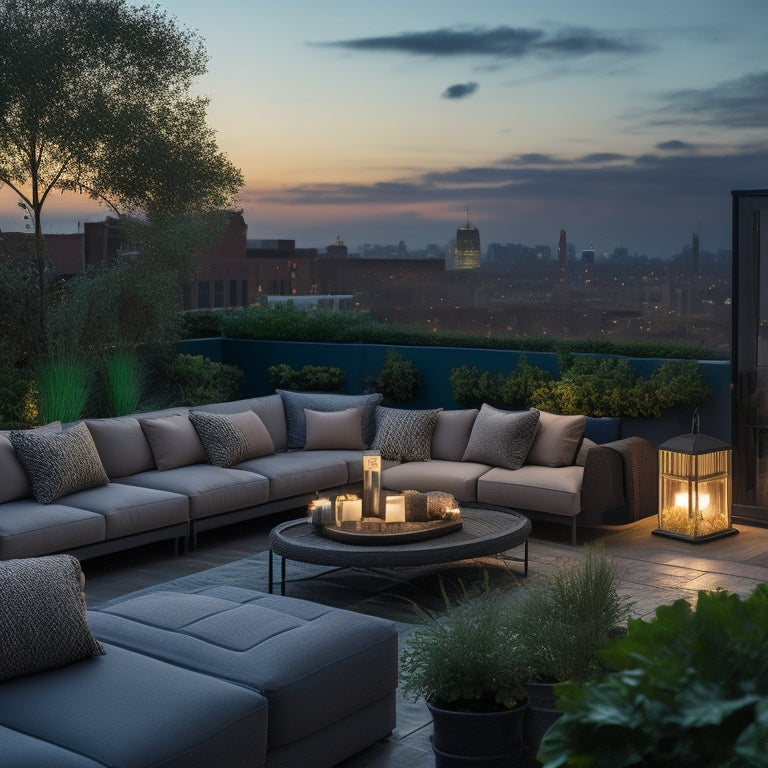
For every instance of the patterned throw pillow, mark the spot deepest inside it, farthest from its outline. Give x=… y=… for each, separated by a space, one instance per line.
x=59 y=463
x=43 y=623
x=403 y=435
x=231 y=438
x=501 y=438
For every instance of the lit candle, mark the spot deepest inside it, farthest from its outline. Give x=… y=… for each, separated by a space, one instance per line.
x=395 y=509
x=351 y=510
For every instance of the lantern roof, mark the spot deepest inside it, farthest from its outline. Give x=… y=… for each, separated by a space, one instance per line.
x=694 y=444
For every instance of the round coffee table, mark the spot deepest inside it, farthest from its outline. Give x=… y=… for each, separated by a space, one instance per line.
x=483 y=532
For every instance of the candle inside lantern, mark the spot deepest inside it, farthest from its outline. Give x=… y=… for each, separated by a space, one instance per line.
x=681 y=500
x=395 y=510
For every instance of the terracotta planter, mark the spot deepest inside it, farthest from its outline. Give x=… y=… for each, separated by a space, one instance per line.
x=481 y=739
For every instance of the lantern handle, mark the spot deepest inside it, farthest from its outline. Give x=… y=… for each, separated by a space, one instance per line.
x=695 y=422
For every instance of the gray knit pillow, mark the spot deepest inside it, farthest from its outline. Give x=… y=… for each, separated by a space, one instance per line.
x=231 y=438
x=404 y=435
x=43 y=623
x=501 y=438
x=59 y=463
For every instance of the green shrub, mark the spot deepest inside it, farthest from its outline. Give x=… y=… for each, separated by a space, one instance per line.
x=63 y=389
x=399 y=379
x=689 y=688
x=198 y=380
x=472 y=387
x=17 y=407
x=122 y=379
x=308 y=378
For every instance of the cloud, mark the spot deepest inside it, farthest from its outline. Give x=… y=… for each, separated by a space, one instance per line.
x=459 y=90
x=739 y=103
x=675 y=146
x=502 y=42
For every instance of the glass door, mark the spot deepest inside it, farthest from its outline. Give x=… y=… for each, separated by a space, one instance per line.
x=750 y=355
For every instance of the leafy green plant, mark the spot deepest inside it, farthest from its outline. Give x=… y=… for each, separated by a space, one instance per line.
x=198 y=380
x=399 y=379
x=689 y=688
x=465 y=660
x=63 y=389
x=308 y=378
x=566 y=620
x=122 y=380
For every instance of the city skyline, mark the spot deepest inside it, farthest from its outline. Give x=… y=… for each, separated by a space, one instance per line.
x=624 y=125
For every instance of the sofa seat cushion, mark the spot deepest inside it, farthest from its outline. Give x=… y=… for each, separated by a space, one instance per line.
x=128 y=509
x=127 y=710
x=456 y=477
x=556 y=491
x=314 y=664
x=298 y=472
x=210 y=490
x=29 y=529
x=19 y=749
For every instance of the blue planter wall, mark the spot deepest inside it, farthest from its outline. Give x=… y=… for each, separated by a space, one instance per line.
x=362 y=363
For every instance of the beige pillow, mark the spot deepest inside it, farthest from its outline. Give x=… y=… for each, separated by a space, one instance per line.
x=557 y=440
x=174 y=441
x=334 y=430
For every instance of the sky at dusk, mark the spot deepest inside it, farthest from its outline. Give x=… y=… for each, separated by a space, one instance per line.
x=626 y=124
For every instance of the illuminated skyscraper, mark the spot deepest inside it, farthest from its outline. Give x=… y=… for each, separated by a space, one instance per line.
x=466 y=254
x=562 y=253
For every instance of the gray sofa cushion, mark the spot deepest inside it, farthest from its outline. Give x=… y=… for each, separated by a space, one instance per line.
x=296 y=402
x=501 y=438
x=451 y=434
x=15 y=483
x=314 y=664
x=128 y=710
x=121 y=444
x=210 y=490
x=334 y=430
x=456 y=477
x=557 y=440
x=29 y=529
x=173 y=440
x=22 y=750
x=127 y=510
x=43 y=624
x=554 y=490
x=231 y=438
x=59 y=463
x=404 y=435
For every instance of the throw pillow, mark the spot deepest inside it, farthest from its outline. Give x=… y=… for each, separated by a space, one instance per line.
x=501 y=438
x=15 y=484
x=59 y=463
x=334 y=430
x=231 y=438
x=296 y=402
x=173 y=440
x=404 y=435
x=43 y=623
x=557 y=440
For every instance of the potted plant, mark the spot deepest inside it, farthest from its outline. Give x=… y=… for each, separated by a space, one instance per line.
x=688 y=688
x=464 y=664
x=564 y=622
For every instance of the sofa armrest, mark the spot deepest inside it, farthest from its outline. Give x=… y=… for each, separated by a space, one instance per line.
x=641 y=475
x=602 y=487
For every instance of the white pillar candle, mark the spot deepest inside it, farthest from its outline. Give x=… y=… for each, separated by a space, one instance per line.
x=351 y=510
x=395 y=509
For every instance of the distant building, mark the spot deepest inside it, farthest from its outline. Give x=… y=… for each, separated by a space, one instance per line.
x=466 y=254
x=562 y=252
x=588 y=256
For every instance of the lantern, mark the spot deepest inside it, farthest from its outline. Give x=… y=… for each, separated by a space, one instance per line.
x=695 y=487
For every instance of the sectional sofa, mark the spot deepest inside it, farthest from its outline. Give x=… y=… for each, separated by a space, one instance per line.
x=102 y=485
x=220 y=677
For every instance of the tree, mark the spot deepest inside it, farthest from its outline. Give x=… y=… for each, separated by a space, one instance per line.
x=95 y=98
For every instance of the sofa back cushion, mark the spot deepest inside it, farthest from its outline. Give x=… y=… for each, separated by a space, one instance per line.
x=122 y=446
x=230 y=438
x=43 y=622
x=59 y=463
x=501 y=438
x=15 y=481
x=451 y=435
x=296 y=402
x=174 y=441
x=557 y=440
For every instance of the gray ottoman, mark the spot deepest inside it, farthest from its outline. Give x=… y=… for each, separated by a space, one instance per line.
x=329 y=676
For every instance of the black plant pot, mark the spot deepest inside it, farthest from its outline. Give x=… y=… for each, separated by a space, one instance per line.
x=540 y=715
x=481 y=739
